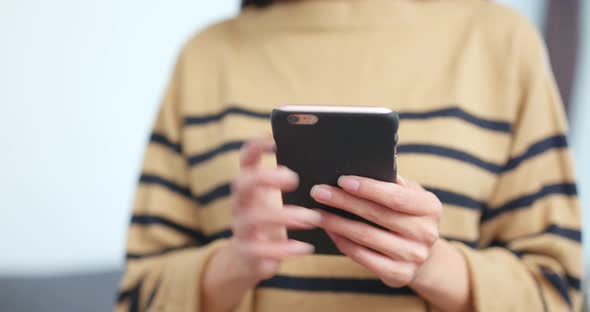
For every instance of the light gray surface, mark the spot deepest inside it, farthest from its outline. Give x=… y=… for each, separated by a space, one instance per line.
x=91 y=292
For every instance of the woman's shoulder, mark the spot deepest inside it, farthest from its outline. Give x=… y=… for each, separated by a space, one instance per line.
x=505 y=24
x=210 y=40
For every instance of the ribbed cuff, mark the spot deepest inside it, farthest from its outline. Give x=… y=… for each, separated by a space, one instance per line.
x=500 y=281
x=183 y=277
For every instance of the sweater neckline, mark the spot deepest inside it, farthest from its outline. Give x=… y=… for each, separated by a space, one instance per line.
x=342 y=13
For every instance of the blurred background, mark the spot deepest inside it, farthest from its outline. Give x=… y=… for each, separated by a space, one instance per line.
x=80 y=82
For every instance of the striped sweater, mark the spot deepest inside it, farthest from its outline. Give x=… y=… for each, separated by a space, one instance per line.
x=482 y=127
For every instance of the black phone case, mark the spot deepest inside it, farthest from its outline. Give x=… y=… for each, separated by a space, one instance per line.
x=338 y=144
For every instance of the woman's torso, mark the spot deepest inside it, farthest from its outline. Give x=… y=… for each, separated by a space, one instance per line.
x=444 y=66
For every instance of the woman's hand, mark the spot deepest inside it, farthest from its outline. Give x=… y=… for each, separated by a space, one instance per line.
x=407 y=251
x=260 y=222
x=409 y=214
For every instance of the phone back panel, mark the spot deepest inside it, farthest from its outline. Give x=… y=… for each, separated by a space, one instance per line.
x=361 y=144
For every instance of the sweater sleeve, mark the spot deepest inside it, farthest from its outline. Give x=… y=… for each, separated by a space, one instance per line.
x=530 y=230
x=166 y=249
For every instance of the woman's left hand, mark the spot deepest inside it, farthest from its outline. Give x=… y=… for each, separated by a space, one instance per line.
x=408 y=213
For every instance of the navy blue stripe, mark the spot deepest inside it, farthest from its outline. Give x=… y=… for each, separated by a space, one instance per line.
x=161 y=139
x=207 y=239
x=133 y=294
x=341 y=285
x=226 y=147
x=456 y=199
x=559 y=283
x=199 y=120
x=152 y=296
x=203 y=199
x=473 y=244
x=573 y=282
x=444 y=196
x=402 y=149
x=554 y=142
x=449 y=153
x=557 y=141
x=450 y=112
x=219 y=192
x=568 y=189
x=196 y=235
x=541 y=295
x=202 y=238
x=154 y=179
x=161 y=252
x=134 y=299
x=456 y=112
x=427 y=149
x=126 y=294
x=571 y=234
x=219 y=235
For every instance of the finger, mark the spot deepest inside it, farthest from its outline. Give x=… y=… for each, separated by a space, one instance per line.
x=393 y=273
x=274 y=250
x=408 y=183
x=371 y=237
x=410 y=226
x=252 y=151
x=397 y=197
x=292 y=217
x=281 y=178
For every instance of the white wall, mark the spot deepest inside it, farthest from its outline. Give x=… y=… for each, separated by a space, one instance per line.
x=79 y=84
x=534 y=10
x=580 y=127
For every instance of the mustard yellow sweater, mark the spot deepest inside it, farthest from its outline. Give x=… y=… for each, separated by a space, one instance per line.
x=482 y=127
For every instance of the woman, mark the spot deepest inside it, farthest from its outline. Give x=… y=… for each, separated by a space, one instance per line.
x=491 y=223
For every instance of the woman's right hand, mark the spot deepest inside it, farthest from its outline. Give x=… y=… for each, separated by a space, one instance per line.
x=260 y=221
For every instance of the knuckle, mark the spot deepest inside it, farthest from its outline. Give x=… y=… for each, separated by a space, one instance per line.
x=353 y=253
x=375 y=214
x=407 y=275
x=397 y=199
x=437 y=207
x=419 y=254
x=363 y=234
x=430 y=236
x=260 y=177
x=265 y=269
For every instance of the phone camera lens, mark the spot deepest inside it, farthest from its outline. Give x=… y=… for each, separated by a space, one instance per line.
x=293 y=119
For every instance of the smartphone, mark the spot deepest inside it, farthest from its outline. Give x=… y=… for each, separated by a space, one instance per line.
x=322 y=143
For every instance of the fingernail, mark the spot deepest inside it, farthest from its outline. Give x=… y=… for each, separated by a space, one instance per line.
x=290 y=174
x=401 y=180
x=321 y=193
x=349 y=183
x=320 y=211
x=315 y=218
x=301 y=247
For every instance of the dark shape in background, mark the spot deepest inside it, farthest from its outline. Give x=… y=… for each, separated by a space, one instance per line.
x=90 y=292
x=562 y=33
